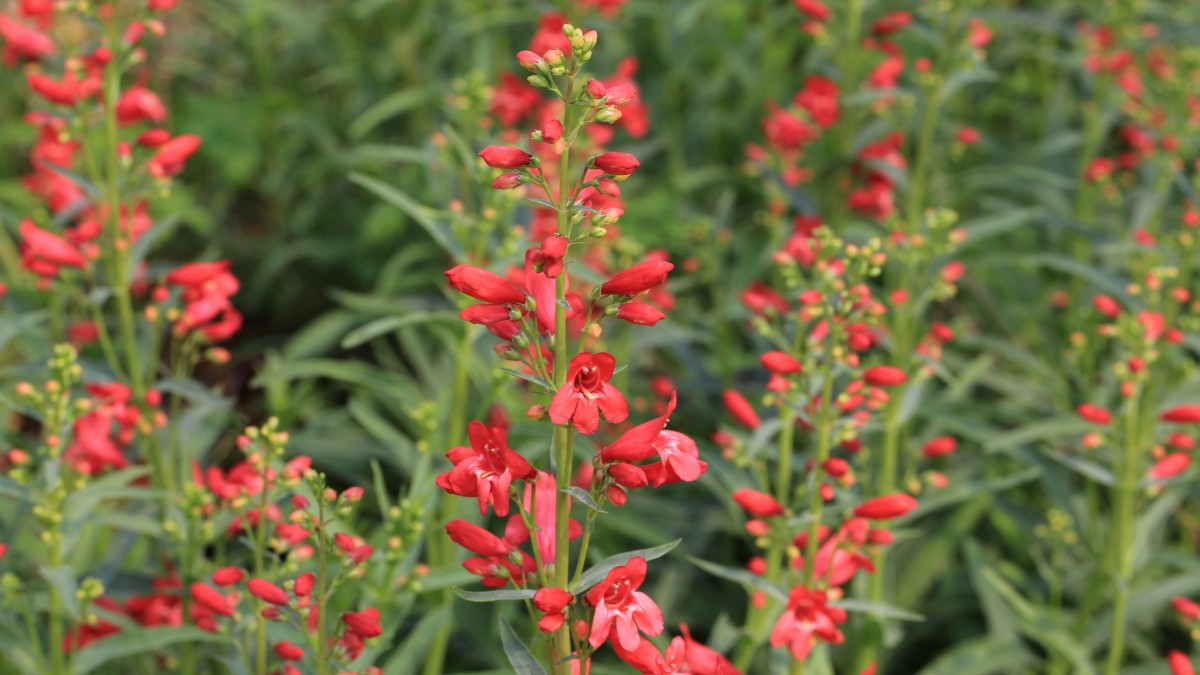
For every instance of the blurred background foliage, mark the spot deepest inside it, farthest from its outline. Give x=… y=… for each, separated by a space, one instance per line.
x=350 y=337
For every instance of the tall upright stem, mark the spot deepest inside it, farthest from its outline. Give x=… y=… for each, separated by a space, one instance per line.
x=564 y=436
x=1119 y=554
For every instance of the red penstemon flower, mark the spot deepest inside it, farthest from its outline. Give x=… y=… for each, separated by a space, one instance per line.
x=587 y=394
x=621 y=611
x=808 y=618
x=485 y=470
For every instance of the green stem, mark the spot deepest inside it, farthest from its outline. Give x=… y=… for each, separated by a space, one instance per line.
x=1120 y=543
x=322 y=590
x=260 y=539
x=816 y=503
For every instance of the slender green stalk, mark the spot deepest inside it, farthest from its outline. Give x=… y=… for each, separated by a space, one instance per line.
x=1120 y=542
x=260 y=543
x=322 y=591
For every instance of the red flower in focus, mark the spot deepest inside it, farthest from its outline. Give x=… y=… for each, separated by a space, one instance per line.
x=639 y=313
x=808 y=618
x=485 y=470
x=587 y=394
x=484 y=286
x=641 y=277
x=620 y=606
x=551 y=602
x=505 y=157
x=617 y=163
x=549 y=256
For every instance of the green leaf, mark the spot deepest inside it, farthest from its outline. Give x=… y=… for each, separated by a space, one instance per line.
x=982 y=656
x=63 y=583
x=519 y=656
x=597 y=572
x=382 y=111
x=16 y=650
x=584 y=498
x=136 y=642
x=527 y=377
x=425 y=216
x=495 y=596
x=741 y=576
x=879 y=609
x=371 y=330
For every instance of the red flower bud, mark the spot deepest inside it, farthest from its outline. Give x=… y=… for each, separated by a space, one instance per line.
x=884 y=376
x=1170 y=466
x=1180 y=664
x=228 y=576
x=507 y=181
x=288 y=651
x=1106 y=306
x=758 y=504
x=552 y=600
x=640 y=277
x=211 y=599
x=267 y=592
x=780 y=363
x=1183 y=414
x=617 y=163
x=639 y=313
x=529 y=60
x=741 y=410
x=505 y=157
x=304 y=584
x=1093 y=413
x=886 y=507
x=940 y=446
x=627 y=475
x=484 y=286
x=364 y=624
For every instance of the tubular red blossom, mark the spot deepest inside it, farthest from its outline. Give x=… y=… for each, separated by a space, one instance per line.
x=484 y=286
x=1180 y=664
x=820 y=98
x=507 y=181
x=758 y=504
x=704 y=660
x=505 y=157
x=267 y=592
x=549 y=256
x=638 y=443
x=639 y=278
x=1106 y=306
x=808 y=618
x=679 y=460
x=886 y=507
x=627 y=475
x=1093 y=413
x=639 y=313
x=364 y=624
x=617 y=163
x=815 y=9
x=23 y=42
x=1188 y=413
x=45 y=251
x=1187 y=608
x=780 y=363
x=211 y=599
x=741 y=410
x=139 y=104
x=1170 y=466
x=485 y=315
x=228 y=576
x=588 y=394
x=304 y=584
x=478 y=540
x=172 y=156
x=940 y=446
x=884 y=376
x=621 y=609
x=485 y=470
x=288 y=651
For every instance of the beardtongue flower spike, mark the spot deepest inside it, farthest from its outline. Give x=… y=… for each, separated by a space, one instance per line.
x=637 y=279
x=505 y=157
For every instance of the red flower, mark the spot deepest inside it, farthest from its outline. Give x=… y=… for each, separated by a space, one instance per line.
x=617 y=163
x=639 y=313
x=505 y=157
x=138 y=104
x=1170 y=466
x=620 y=606
x=820 y=98
x=484 y=286
x=552 y=601
x=884 y=376
x=640 y=277
x=813 y=8
x=808 y=618
x=1180 y=664
x=679 y=460
x=886 y=507
x=549 y=256
x=364 y=624
x=638 y=443
x=741 y=410
x=485 y=470
x=758 y=504
x=228 y=576
x=288 y=651
x=173 y=155
x=44 y=252
x=1093 y=413
x=702 y=659
x=1187 y=608
x=587 y=394
x=23 y=42
x=891 y=23
x=1188 y=413
x=267 y=592
x=478 y=540
x=211 y=599
x=940 y=446
x=304 y=584
x=780 y=363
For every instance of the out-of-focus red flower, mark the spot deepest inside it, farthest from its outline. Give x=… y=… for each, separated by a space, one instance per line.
x=172 y=156
x=138 y=104
x=1188 y=413
x=808 y=618
x=365 y=624
x=758 y=504
x=886 y=507
x=267 y=592
x=741 y=410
